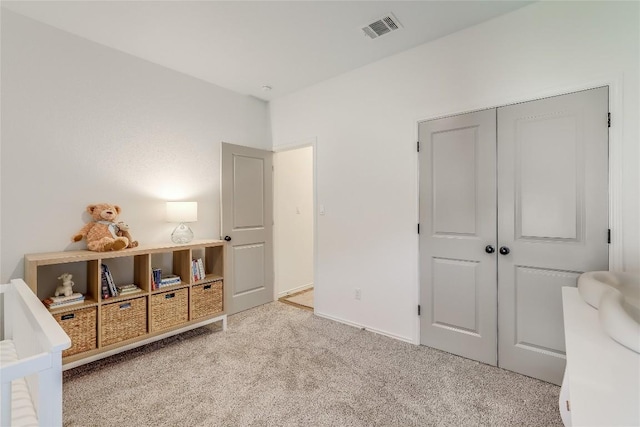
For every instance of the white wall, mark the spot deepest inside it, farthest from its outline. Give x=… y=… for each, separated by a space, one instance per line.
x=365 y=124
x=293 y=215
x=82 y=123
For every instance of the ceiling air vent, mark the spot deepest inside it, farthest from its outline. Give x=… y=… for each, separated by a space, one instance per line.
x=382 y=26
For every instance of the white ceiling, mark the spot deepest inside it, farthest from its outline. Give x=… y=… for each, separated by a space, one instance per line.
x=244 y=45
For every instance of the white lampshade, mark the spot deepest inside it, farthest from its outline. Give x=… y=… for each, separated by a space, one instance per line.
x=182 y=211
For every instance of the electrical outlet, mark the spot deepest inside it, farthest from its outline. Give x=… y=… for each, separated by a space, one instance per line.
x=358 y=293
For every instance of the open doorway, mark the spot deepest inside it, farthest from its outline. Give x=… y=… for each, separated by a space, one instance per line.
x=294 y=225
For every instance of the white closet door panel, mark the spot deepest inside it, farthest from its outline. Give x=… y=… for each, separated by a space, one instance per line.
x=553 y=217
x=457 y=221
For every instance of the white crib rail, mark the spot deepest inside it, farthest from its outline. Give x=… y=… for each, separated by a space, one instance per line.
x=39 y=341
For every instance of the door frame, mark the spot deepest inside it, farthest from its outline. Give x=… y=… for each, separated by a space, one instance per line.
x=616 y=89
x=303 y=143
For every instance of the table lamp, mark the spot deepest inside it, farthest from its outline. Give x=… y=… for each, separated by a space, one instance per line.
x=182 y=212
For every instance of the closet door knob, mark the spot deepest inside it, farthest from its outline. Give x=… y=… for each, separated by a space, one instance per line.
x=227 y=238
x=489 y=249
x=504 y=250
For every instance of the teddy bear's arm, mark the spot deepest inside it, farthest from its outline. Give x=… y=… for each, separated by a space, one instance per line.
x=82 y=233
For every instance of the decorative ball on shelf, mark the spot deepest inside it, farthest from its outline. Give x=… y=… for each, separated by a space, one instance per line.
x=66 y=287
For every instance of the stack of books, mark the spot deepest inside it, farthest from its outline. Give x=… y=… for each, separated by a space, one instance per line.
x=156 y=276
x=169 y=280
x=197 y=269
x=159 y=281
x=108 y=286
x=128 y=289
x=58 y=302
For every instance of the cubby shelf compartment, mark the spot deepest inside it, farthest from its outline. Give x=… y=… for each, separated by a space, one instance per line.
x=131 y=266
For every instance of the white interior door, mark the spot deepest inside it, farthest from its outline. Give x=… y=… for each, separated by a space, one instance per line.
x=457 y=224
x=247 y=225
x=553 y=221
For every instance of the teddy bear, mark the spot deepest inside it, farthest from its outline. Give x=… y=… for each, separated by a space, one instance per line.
x=102 y=232
x=66 y=287
x=123 y=231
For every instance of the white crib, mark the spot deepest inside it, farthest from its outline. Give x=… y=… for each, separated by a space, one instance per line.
x=31 y=360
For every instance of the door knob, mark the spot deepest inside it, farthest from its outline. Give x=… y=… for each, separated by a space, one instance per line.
x=504 y=250
x=489 y=249
x=227 y=238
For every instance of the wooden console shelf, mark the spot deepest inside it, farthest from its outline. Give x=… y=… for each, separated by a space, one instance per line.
x=100 y=327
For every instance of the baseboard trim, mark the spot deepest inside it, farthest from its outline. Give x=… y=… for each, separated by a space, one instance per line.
x=294 y=290
x=366 y=328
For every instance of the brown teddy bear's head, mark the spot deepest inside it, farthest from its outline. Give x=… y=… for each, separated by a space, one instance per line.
x=104 y=212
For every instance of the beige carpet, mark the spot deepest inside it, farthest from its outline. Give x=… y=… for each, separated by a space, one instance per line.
x=302 y=299
x=277 y=365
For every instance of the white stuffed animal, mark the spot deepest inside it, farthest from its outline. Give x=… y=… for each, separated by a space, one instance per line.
x=67 y=284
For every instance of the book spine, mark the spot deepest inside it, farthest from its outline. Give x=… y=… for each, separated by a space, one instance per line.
x=73 y=296
x=134 y=291
x=201 y=269
x=62 y=304
x=169 y=283
x=155 y=278
x=112 y=286
x=104 y=283
x=194 y=271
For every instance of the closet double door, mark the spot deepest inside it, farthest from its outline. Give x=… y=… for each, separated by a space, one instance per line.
x=513 y=206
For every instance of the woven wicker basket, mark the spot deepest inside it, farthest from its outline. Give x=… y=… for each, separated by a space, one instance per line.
x=206 y=299
x=169 y=309
x=123 y=320
x=80 y=325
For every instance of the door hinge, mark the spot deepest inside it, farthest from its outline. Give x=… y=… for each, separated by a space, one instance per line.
x=609 y=120
x=609 y=236
x=418 y=228
x=418 y=144
x=418 y=309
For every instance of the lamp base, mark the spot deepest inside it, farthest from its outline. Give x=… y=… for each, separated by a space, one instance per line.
x=182 y=234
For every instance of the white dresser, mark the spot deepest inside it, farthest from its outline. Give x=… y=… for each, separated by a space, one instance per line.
x=602 y=380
